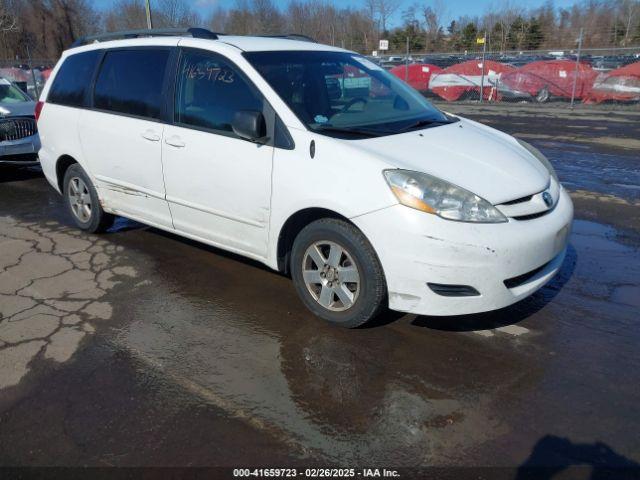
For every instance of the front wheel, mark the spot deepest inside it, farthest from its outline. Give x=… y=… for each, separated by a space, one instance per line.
x=337 y=273
x=83 y=203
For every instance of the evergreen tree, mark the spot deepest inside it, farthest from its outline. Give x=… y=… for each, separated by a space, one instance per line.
x=469 y=36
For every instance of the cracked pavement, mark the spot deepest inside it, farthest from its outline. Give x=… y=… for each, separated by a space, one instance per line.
x=52 y=280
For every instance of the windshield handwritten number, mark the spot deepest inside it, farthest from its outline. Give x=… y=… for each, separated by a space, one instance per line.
x=227 y=76
x=209 y=73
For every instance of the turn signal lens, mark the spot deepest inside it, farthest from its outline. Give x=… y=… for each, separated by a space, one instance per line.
x=411 y=201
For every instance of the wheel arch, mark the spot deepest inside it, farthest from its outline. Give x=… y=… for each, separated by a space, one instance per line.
x=293 y=225
x=62 y=165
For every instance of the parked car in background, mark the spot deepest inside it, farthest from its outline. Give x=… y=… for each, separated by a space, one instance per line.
x=361 y=190
x=621 y=85
x=541 y=81
x=417 y=74
x=19 y=140
x=462 y=81
x=17 y=76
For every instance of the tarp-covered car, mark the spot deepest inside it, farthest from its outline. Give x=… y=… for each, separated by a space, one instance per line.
x=542 y=80
x=621 y=84
x=463 y=80
x=417 y=74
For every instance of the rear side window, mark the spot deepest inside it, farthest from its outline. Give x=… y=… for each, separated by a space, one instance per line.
x=210 y=91
x=131 y=81
x=74 y=79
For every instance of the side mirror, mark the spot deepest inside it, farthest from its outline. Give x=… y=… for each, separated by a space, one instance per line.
x=249 y=124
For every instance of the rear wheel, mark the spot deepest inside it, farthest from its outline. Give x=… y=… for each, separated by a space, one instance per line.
x=337 y=273
x=543 y=95
x=83 y=203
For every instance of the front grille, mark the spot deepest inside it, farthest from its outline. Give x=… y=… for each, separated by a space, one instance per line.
x=17 y=128
x=532 y=215
x=518 y=200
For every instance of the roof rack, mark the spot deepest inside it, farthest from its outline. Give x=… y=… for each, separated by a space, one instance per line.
x=291 y=36
x=155 y=32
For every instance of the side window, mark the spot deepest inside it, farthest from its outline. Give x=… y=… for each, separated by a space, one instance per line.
x=73 y=79
x=209 y=92
x=130 y=82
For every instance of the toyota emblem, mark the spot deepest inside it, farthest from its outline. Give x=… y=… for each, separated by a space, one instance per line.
x=548 y=199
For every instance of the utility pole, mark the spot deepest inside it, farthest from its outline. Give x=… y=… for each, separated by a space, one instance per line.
x=484 y=54
x=33 y=74
x=148 y=9
x=406 y=63
x=575 y=73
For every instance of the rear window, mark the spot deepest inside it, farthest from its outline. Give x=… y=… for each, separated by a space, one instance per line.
x=74 y=79
x=130 y=82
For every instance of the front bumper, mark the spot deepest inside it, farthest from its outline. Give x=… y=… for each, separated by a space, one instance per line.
x=417 y=248
x=20 y=152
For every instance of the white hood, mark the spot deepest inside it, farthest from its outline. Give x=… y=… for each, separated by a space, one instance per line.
x=480 y=159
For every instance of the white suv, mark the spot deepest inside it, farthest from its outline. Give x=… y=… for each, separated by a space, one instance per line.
x=308 y=158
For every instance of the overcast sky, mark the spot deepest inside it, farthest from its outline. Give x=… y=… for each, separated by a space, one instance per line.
x=454 y=8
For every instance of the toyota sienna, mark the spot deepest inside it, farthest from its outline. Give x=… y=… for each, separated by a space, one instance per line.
x=306 y=157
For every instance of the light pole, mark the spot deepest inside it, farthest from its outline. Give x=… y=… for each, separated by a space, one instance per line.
x=484 y=55
x=575 y=73
x=148 y=9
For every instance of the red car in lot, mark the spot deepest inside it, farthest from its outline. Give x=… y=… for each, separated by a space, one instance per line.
x=463 y=80
x=417 y=74
x=542 y=80
x=621 y=84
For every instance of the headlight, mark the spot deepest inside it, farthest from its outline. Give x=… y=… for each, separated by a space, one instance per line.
x=540 y=156
x=429 y=194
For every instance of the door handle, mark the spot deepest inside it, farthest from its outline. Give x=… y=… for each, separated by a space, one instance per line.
x=174 y=141
x=151 y=136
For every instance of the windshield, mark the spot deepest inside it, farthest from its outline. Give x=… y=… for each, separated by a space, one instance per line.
x=10 y=93
x=344 y=94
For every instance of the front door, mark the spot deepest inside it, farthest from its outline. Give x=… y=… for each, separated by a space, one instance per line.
x=218 y=185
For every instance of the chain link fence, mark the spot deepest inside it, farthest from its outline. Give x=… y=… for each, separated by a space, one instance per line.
x=564 y=78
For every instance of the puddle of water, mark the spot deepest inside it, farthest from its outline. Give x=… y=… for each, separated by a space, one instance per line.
x=585 y=169
x=349 y=395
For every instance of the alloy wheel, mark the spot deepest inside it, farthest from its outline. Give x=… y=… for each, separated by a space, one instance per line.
x=79 y=199
x=331 y=275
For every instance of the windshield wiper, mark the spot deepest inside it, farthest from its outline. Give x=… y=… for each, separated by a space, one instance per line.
x=354 y=131
x=428 y=123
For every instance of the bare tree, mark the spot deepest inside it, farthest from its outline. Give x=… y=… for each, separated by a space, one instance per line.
x=629 y=11
x=432 y=16
x=126 y=15
x=8 y=16
x=175 y=13
x=218 y=20
x=386 y=9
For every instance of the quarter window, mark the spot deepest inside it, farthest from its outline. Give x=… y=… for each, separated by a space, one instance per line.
x=131 y=82
x=74 y=79
x=210 y=91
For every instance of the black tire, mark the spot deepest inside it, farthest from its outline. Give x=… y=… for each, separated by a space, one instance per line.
x=99 y=220
x=543 y=95
x=372 y=291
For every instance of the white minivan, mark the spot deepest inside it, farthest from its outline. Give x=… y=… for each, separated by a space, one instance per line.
x=308 y=158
